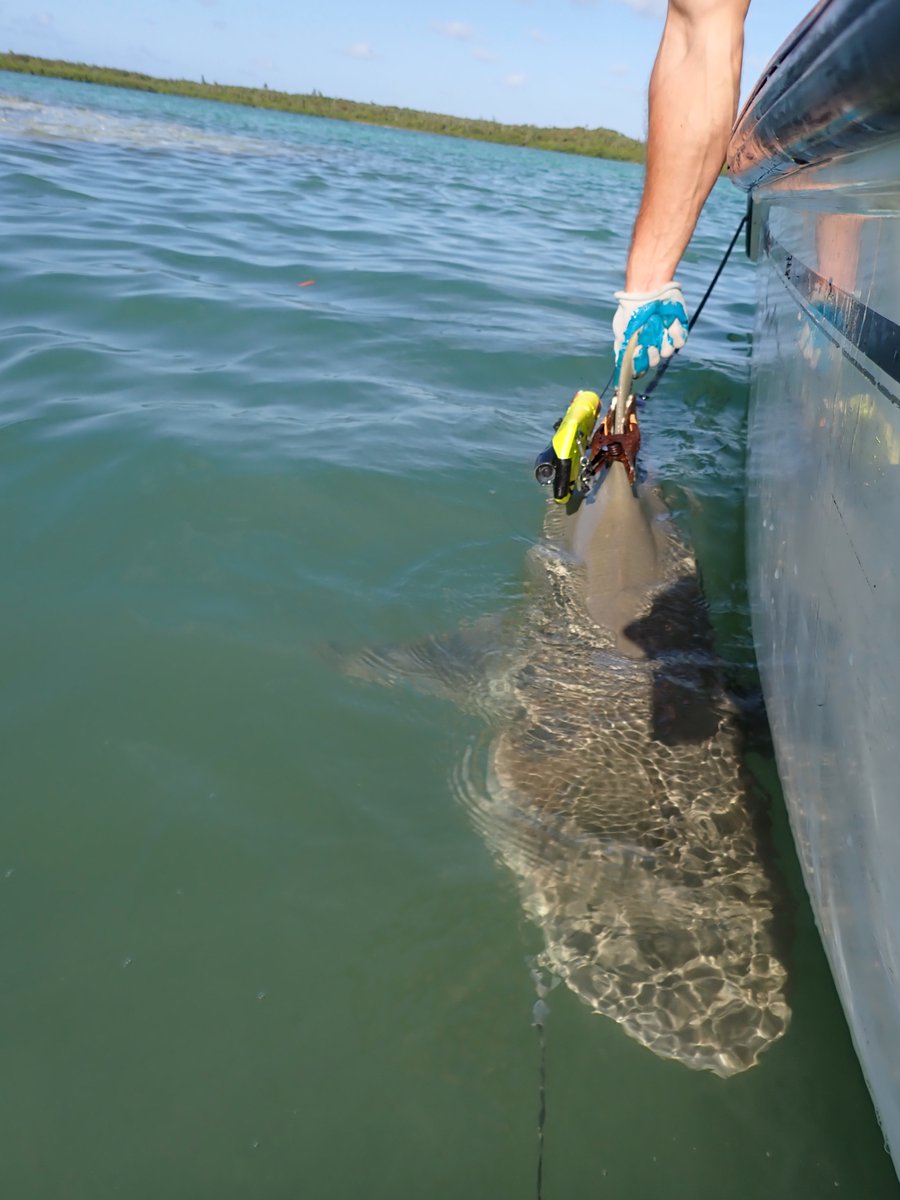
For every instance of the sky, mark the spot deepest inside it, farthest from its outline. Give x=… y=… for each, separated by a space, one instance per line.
x=540 y=62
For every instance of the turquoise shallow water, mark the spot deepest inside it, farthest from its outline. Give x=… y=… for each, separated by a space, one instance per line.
x=253 y=945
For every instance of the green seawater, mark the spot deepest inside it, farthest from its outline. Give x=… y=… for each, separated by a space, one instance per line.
x=252 y=944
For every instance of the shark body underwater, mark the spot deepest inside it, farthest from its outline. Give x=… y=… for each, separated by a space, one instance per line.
x=613 y=786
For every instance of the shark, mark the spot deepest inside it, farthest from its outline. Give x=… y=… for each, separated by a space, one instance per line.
x=613 y=786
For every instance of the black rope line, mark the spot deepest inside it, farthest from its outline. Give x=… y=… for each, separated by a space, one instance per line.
x=540 y=1012
x=663 y=366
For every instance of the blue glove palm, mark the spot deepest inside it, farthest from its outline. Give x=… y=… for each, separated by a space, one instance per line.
x=658 y=318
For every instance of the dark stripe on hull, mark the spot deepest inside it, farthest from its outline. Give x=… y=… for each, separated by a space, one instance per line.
x=846 y=321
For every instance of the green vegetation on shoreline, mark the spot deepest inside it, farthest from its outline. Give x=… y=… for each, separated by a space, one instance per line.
x=596 y=143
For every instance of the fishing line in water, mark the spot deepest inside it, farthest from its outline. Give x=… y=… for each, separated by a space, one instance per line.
x=545 y=981
x=539 y=1013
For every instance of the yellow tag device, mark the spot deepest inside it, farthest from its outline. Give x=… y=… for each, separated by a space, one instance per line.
x=560 y=462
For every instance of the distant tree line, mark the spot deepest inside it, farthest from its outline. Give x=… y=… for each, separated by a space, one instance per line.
x=597 y=143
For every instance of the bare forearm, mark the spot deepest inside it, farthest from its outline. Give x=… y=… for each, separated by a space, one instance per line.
x=693 y=101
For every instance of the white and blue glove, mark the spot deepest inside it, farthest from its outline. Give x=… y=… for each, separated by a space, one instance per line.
x=660 y=320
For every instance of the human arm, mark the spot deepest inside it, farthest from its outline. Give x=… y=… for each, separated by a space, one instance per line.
x=693 y=99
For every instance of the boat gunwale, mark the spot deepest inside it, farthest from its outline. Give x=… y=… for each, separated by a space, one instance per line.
x=832 y=88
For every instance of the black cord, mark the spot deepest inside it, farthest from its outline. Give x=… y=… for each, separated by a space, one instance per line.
x=651 y=387
x=541 y=1010
x=539 y=1015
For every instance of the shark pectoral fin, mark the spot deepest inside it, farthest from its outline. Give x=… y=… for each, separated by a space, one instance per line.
x=454 y=665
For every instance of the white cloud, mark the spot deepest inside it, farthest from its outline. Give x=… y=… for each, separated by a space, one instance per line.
x=453 y=29
x=484 y=55
x=618 y=68
x=44 y=19
x=538 y=35
x=516 y=80
x=361 y=50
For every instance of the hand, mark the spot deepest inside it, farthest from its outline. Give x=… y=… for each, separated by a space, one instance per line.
x=660 y=320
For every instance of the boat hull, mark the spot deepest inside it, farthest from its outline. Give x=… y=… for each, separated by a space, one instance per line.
x=818 y=149
x=823 y=536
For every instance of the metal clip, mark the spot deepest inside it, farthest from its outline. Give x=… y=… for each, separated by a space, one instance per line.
x=607 y=447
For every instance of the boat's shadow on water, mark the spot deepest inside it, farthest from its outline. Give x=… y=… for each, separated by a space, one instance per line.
x=612 y=782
